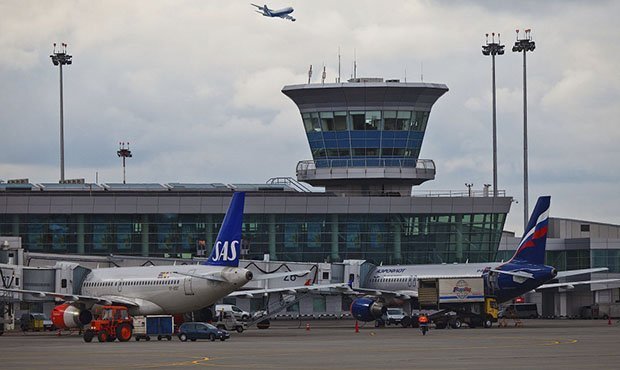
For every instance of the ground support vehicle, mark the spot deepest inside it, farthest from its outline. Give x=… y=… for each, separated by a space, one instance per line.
x=113 y=323
x=227 y=321
x=161 y=326
x=601 y=311
x=394 y=316
x=457 y=301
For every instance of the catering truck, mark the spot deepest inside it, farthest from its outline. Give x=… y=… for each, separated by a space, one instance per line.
x=457 y=301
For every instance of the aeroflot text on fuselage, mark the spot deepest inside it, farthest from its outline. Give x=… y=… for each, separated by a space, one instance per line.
x=225 y=252
x=397 y=271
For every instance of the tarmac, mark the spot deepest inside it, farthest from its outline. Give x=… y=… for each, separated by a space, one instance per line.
x=334 y=344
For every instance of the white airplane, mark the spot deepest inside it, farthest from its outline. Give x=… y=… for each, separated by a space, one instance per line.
x=171 y=289
x=392 y=285
x=283 y=13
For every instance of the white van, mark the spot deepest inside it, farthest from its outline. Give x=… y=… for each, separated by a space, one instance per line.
x=236 y=311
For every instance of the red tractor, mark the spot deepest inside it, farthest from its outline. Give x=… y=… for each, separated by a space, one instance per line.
x=113 y=323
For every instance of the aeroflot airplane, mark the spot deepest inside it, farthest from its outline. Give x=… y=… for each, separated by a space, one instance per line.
x=283 y=13
x=525 y=271
x=163 y=289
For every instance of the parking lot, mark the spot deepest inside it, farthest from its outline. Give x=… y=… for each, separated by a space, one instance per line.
x=549 y=344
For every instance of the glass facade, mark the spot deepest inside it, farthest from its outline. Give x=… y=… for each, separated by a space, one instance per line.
x=609 y=258
x=379 y=238
x=365 y=138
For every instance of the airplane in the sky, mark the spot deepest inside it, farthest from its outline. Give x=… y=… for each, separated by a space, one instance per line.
x=283 y=13
x=393 y=285
x=170 y=289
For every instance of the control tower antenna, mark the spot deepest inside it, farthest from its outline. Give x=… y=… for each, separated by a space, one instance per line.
x=309 y=74
x=338 y=64
x=421 y=71
x=354 y=63
x=123 y=153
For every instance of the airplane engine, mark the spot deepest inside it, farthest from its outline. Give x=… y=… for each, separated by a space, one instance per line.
x=366 y=309
x=67 y=316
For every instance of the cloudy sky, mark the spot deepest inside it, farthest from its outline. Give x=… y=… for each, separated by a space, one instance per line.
x=194 y=86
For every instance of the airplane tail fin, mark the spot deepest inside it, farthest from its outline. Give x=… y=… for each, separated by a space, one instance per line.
x=227 y=247
x=534 y=241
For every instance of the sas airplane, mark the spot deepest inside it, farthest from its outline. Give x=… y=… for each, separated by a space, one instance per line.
x=525 y=271
x=282 y=13
x=151 y=290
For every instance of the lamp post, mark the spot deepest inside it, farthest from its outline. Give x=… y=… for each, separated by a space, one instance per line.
x=524 y=45
x=123 y=153
x=493 y=48
x=60 y=58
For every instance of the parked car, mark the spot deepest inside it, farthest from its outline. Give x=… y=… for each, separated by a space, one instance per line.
x=236 y=311
x=201 y=330
x=519 y=310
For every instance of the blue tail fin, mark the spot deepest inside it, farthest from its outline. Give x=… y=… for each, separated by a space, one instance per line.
x=228 y=244
x=532 y=246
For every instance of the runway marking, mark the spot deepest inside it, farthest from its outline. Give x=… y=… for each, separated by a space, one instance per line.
x=556 y=342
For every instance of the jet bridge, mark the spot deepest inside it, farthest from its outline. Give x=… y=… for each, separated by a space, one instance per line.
x=63 y=277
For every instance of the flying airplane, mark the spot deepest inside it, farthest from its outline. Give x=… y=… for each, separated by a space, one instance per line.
x=525 y=271
x=283 y=13
x=171 y=289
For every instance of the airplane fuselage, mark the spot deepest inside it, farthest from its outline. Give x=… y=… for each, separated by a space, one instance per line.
x=164 y=289
x=404 y=278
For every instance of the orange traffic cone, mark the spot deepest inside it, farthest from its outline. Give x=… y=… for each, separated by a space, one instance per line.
x=307 y=326
x=357 y=327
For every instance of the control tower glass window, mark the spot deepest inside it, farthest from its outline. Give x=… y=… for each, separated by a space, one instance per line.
x=419 y=122
x=373 y=120
x=327 y=121
x=359 y=120
x=403 y=120
x=340 y=121
x=312 y=123
x=389 y=120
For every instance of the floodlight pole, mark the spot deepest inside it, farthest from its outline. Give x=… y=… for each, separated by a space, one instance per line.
x=494 y=48
x=524 y=45
x=59 y=59
x=123 y=153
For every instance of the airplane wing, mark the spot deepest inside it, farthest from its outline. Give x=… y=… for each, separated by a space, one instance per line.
x=571 y=285
x=521 y=274
x=258 y=6
x=103 y=300
x=280 y=275
x=401 y=294
x=563 y=274
x=290 y=290
x=217 y=276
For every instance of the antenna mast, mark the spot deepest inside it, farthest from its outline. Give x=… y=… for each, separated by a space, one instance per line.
x=338 y=64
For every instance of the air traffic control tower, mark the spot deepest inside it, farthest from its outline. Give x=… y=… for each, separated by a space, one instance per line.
x=365 y=135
